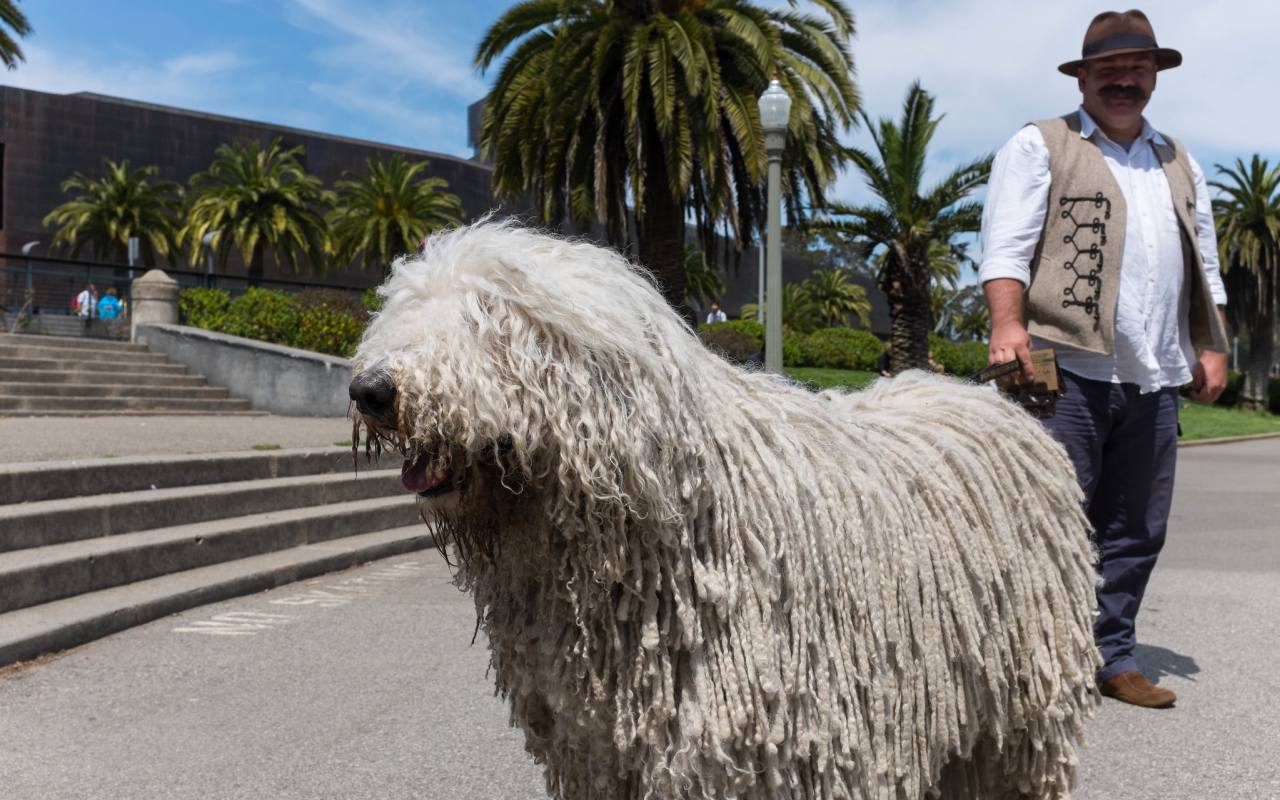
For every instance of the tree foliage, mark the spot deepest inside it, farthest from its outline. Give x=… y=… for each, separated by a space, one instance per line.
x=1247 y=214
x=910 y=221
x=13 y=23
x=257 y=200
x=387 y=211
x=836 y=298
x=105 y=213
x=604 y=104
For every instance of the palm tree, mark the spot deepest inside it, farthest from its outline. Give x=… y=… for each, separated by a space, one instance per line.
x=799 y=311
x=252 y=199
x=104 y=214
x=652 y=103
x=836 y=297
x=702 y=282
x=910 y=222
x=15 y=20
x=973 y=321
x=387 y=211
x=1248 y=221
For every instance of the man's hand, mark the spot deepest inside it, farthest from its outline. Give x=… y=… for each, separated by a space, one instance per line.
x=1009 y=338
x=1010 y=341
x=1209 y=376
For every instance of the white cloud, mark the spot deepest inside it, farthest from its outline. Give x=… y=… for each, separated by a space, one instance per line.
x=392 y=46
x=389 y=120
x=203 y=64
x=182 y=81
x=993 y=67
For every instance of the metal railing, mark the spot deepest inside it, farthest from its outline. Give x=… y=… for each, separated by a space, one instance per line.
x=53 y=283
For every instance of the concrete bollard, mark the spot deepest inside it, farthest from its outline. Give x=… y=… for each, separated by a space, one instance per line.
x=154 y=300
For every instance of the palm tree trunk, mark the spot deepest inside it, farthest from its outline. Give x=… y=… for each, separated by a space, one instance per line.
x=1257 y=377
x=911 y=320
x=661 y=236
x=256 y=265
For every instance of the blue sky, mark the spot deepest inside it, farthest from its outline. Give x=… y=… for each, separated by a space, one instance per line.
x=400 y=72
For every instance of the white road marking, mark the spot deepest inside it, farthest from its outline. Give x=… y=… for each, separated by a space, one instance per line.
x=325 y=594
x=235 y=623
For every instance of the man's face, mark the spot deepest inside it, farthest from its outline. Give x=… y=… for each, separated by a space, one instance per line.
x=714 y=308
x=1117 y=89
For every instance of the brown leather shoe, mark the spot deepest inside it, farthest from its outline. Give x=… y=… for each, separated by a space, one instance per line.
x=1134 y=688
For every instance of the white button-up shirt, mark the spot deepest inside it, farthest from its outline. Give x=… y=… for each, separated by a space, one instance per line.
x=1153 y=341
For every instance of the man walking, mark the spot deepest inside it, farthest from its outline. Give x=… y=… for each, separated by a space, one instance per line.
x=1098 y=241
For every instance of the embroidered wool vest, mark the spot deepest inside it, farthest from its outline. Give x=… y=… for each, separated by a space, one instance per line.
x=1075 y=273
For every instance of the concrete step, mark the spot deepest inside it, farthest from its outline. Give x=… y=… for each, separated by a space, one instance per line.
x=104 y=405
x=80 y=365
x=132 y=412
x=59 y=325
x=81 y=355
x=75 y=344
x=85 y=376
x=48 y=522
x=29 y=632
x=50 y=480
x=120 y=389
x=44 y=574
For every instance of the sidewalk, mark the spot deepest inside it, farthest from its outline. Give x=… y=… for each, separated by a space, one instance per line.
x=24 y=439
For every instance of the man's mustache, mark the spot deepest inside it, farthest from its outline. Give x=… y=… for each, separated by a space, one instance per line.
x=1125 y=92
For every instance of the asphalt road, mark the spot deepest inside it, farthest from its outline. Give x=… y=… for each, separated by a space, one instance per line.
x=364 y=684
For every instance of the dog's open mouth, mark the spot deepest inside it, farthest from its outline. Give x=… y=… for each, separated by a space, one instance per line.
x=426 y=476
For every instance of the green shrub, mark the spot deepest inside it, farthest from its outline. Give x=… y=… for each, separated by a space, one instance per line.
x=321 y=320
x=961 y=359
x=370 y=300
x=793 y=348
x=263 y=314
x=843 y=348
x=203 y=308
x=325 y=329
x=732 y=344
x=749 y=327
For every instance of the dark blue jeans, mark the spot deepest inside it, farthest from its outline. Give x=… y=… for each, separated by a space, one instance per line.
x=1124 y=446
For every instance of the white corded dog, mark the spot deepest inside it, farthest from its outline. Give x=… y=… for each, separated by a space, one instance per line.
x=702 y=582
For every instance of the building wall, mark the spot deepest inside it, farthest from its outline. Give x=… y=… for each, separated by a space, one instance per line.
x=47 y=137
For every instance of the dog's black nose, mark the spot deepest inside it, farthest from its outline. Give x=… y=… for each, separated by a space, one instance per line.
x=373 y=392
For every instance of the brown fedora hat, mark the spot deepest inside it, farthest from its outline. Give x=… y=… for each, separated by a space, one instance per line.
x=1113 y=33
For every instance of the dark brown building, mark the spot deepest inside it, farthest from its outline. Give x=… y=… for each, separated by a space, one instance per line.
x=44 y=138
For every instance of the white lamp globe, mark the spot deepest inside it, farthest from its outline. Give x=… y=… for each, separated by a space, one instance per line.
x=775 y=108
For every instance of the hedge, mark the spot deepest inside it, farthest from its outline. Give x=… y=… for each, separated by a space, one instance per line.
x=962 y=359
x=842 y=348
x=742 y=339
x=320 y=320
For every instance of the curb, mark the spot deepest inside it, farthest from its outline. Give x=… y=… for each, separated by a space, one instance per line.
x=1229 y=439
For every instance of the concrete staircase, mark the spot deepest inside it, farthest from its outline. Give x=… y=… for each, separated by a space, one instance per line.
x=63 y=376
x=89 y=548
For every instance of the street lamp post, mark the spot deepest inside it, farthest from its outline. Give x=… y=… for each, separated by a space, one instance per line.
x=775 y=110
x=207 y=241
x=26 y=253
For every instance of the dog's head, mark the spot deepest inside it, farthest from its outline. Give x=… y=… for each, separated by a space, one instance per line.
x=506 y=360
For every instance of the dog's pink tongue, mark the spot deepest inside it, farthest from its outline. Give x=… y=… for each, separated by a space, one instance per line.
x=415 y=477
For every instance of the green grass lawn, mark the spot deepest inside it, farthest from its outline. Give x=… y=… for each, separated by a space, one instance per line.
x=1198 y=420
x=1212 y=422
x=818 y=378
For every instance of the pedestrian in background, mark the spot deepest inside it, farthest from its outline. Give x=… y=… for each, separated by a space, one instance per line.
x=86 y=304
x=109 y=305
